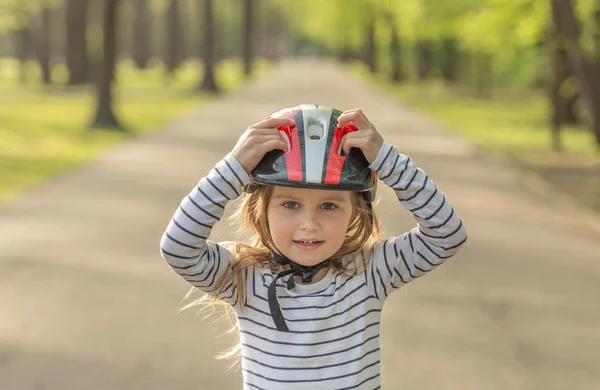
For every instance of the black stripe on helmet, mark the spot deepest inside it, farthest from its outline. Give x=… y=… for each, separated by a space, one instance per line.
x=299 y=118
x=335 y=114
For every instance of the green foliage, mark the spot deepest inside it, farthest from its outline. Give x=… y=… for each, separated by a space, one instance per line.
x=507 y=31
x=585 y=13
x=333 y=23
x=15 y=14
x=44 y=131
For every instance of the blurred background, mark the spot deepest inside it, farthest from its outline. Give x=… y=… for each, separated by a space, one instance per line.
x=519 y=79
x=526 y=73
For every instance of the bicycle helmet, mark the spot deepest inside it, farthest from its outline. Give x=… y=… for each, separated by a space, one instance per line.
x=314 y=158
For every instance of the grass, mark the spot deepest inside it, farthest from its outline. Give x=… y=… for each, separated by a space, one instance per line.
x=514 y=124
x=44 y=130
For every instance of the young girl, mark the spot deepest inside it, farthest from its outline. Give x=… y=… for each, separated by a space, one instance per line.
x=309 y=289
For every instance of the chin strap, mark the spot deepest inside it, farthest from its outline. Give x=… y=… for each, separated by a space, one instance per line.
x=306 y=273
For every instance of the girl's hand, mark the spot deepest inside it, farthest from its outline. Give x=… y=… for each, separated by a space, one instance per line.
x=259 y=139
x=366 y=138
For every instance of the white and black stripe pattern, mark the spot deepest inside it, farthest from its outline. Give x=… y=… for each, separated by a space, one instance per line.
x=437 y=237
x=333 y=342
x=185 y=246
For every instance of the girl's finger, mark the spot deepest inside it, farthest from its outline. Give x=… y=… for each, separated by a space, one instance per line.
x=355 y=116
x=354 y=140
x=274 y=122
x=264 y=131
x=352 y=143
x=257 y=140
x=355 y=134
x=272 y=145
x=262 y=135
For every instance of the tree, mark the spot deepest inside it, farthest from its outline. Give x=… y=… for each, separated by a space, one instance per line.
x=248 y=34
x=449 y=62
x=585 y=70
x=42 y=43
x=141 y=33
x=22 y=38
x=562 y=101
x=557 y=54
x=396 y=53
x=105 y=117
x=371 y=46
x=173 y=47
x=208 y=83
x=274 y=20
x=597 y=37
x=76 y=52
x=423 y=55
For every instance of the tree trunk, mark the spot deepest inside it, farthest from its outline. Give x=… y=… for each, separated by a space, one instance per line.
x=209 y=84
x=597 y=37
x=273 y=33
x=76 y=53
x=584 y=69
x=371 y=49
x=423 y=49
x=556 y=51
x=141 y=33
x=105 y=117
x=483 y=77
x=248 y=32
x=396 y=52
x=22 y=39
x=566 y=111
x=449 y=63
x=563 y=105
x=172 y=43
x=43 y=44
x=186 y=48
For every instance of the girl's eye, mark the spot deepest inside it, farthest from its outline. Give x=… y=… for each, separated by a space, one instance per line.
x=329 y=206
x=290 y=205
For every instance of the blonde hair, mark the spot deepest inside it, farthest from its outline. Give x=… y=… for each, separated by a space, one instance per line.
x=251 y=214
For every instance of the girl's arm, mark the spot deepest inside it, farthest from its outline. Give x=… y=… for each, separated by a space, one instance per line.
x=438 y=235
x=185 y=245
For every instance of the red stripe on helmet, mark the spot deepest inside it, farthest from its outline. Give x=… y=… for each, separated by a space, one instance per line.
x=293 y=158
x=335 y=162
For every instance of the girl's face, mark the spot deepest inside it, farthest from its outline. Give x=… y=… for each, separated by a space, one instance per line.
x=308 y=226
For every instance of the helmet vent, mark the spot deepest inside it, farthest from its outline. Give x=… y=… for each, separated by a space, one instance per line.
x=315 y=131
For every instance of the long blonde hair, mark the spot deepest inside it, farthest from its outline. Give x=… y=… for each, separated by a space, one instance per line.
x=251 y=214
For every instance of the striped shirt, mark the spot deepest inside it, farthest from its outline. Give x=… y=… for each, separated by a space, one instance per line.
x=334 y=323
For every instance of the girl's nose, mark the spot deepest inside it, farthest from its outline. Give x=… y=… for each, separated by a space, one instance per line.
x=309 y=222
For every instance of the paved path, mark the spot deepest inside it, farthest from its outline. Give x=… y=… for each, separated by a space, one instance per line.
x=87 y=303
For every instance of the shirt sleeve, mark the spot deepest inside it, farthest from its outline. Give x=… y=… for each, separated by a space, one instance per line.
x=185 y=246
x=438 y=235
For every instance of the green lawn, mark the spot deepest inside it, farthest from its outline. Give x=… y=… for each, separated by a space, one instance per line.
x=513 y=124
x=44 y=131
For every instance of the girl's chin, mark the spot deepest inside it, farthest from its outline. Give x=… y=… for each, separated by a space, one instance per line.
x=306 y=260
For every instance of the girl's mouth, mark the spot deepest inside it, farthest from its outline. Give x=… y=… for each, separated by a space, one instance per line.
x=308 y=245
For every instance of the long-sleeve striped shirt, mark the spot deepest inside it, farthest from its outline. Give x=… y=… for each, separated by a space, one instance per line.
x=333 y=342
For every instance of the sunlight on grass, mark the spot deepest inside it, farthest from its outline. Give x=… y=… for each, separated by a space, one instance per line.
x=44 y=130
x=513 y=123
